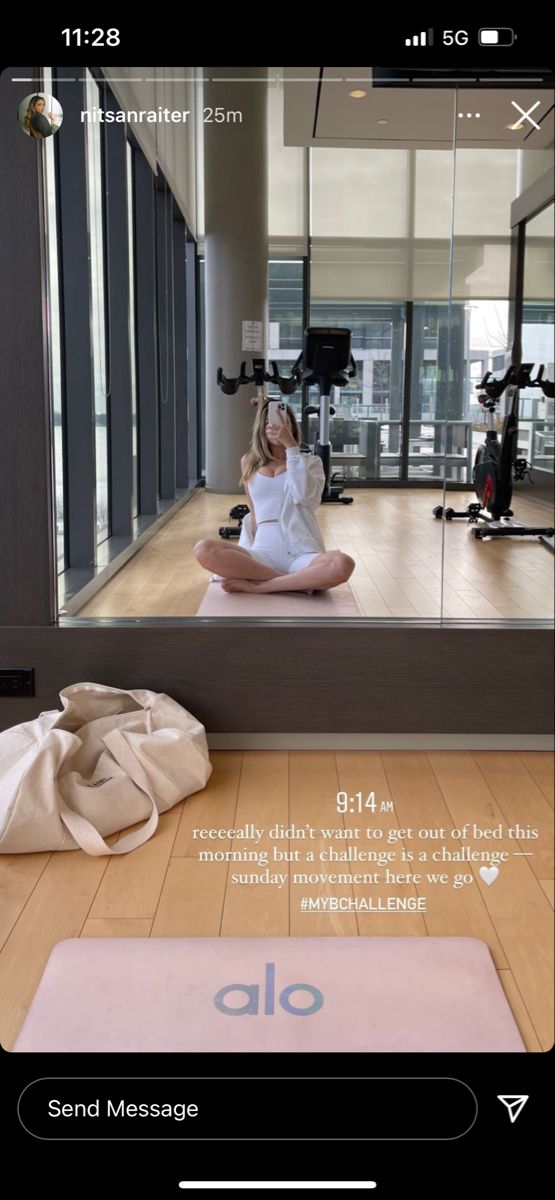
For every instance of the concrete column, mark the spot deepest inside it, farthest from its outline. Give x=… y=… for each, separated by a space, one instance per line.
x=236 y=254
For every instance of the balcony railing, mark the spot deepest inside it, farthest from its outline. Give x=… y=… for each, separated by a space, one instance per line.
x=372 y=449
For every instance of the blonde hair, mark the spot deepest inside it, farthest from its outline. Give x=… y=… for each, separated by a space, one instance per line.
x=31 y=110
x=260 y=453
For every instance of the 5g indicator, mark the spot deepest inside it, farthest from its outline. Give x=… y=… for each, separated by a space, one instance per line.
x=455 y=37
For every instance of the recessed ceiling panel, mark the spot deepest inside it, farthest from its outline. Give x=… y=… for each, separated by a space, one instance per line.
x=320 y=109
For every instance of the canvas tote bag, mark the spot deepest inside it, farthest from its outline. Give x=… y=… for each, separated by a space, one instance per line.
x=110 y=759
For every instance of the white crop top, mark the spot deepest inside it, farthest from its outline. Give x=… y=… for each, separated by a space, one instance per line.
x=267 y=494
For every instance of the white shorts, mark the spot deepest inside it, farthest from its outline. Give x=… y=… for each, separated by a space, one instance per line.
x=270 y=549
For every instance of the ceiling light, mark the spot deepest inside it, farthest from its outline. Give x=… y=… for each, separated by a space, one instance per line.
x=357 y=95
x=383 y=121
x=518 y=125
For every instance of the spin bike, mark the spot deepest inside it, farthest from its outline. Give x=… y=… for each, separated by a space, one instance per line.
x=496 y=465
x=327 y=362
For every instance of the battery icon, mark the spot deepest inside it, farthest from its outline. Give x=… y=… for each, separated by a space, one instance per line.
x=496 y=37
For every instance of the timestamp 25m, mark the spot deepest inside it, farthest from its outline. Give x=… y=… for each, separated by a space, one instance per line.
x=222 y=116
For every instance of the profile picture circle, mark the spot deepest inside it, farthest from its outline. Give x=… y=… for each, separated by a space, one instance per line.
x=40 y=115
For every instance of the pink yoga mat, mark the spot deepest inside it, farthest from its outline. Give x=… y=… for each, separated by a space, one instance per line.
x=243 y=994
x=338 y=602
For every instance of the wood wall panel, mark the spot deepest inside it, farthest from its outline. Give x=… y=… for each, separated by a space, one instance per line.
x=271 y=678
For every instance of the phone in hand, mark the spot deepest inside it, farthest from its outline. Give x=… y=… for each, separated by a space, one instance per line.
x=276 y=412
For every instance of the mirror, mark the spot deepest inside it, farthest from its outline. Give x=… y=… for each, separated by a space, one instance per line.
x=391 y=217
x=499 y=156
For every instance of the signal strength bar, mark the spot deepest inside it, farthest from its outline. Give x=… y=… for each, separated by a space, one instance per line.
x=421 y=39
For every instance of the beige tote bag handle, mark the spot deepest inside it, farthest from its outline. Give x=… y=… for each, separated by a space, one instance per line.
x=91 y=841
x=85 y=834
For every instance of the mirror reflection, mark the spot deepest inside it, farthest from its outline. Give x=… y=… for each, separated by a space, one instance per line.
x=498 y=564
x=379 y=208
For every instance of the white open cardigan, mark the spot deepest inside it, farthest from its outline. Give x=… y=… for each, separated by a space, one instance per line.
x=299 y=527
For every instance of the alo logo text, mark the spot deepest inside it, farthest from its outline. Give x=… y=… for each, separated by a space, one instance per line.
x=251 y=1007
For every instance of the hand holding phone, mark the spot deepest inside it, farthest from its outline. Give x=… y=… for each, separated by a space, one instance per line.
x=276 y=412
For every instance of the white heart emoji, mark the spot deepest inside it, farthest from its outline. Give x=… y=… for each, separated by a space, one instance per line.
x=489 y=874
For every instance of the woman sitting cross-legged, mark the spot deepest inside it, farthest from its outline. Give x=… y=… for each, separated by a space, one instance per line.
x=281 y=548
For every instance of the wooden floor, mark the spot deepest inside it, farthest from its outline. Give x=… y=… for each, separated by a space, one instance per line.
x=399 y=549
x=162 y=890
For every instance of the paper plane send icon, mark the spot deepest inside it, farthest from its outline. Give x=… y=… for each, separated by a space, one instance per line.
x=514 y=1105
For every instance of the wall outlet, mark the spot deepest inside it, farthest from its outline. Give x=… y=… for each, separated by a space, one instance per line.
x=17 y=681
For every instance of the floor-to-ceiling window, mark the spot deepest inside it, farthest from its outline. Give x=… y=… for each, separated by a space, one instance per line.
x=202 y=367
x=119 y=326
x=54 y=332
x=132 y=347
x=366 y=429
x=285 y=320
x=98 y=296
x=537 y=410
x=435 y=403
x=536 y=431
x=439 y=439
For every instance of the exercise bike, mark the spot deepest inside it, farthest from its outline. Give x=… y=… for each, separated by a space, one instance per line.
x=496 y=465
x=327 y=362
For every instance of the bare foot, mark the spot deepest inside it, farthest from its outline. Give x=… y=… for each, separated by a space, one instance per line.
x=264 y=588
x=240 y=585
